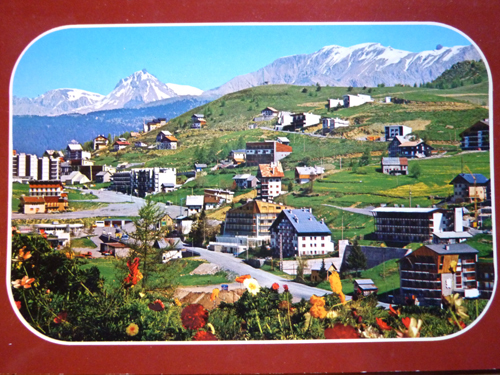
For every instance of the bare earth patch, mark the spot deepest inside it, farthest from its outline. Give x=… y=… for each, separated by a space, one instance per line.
x=191 y=295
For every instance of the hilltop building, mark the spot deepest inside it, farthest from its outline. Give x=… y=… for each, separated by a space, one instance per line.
x=100 y=142
x=477 y=137
x=404 y=147
x=266 y=152
x=392 y=131
x=304 y=120
x=166 y=141
x=330 y=123
x=284 y=119
x=198 y=121
x=356 y=100
x=298 y=232
x=433 y=271
x=269 y=181
x=335 y=103
x=154 y=124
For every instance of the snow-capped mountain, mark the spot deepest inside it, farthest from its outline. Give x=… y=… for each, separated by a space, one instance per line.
x=365 y=64
x=138 y=89
x=56 y=102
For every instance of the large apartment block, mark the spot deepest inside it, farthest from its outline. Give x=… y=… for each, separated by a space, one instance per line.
x=269 y=181
x=433 y=271
x=152 y=180
x=31 y=167
x=266 y=152
x=477 y=137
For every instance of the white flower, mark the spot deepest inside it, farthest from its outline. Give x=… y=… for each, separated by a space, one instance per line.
x=252 y=286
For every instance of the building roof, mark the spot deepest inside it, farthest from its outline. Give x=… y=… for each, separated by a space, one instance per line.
x=308 y=171
x=411 y=143
x=32 y=200
x=283 y=139
x=364 y=281
x=200 y=165
x=171 y=138
x=475 y=178
x=240 y=151
x=304 y=221
x=75 y=147
x=102 y=173
x=197 y=115
x=258 y=207
x=394 y=161
x=271 y=109
x=245 y=176
x=45 y=184
x=271 y=170
x=280 y=147
x=165 y=132
x=194 y=200
x=452 y=235
x=406 y=209
x=480 y=125
x=212 y=199
x=218 y=191
x=121 y=143
x=456 y=248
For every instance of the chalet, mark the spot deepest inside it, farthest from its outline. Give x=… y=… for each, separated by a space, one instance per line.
x=269 y=177
x=56 y=203
x=166 y=141
x=212 y=202
x=335 y=103
x=364 y=287
x=304 y=175
x=75 y=177
x=120 y=145
x=392 y=131
x=469 y=187
x=356 y=100
x=266 y=152
x=116 y=249
x=330 y=123
x=269 y=112
x=199 y=167
x=298 y=232
x=154 y=124
x=100 y=142
x=103 y=176
x=304 y=120
x=194 y=204
x=135 y=134
x=140 y=144
x=283 y=140
x=198 y=121
x=253 y=220
x=32 y=205
x=74 y=152
x=403 y=146
x=245 y=181
x=183 y=225
x=395 y=166
x=238 y=156
x=433 y=271
x=45 y=188
x=284 y=119
x=227 y=195
x=477 y=137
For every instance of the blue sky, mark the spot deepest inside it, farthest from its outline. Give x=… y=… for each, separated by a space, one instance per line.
x=204 y=56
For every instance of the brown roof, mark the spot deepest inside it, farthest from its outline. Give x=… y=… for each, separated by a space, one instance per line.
x=171 y=138
x=280 y=147
x=211 y=199
x=116 y=244
x=54 y=199
x=265 y=170
x=45 y=184
x=33 y=199
x=257 y=207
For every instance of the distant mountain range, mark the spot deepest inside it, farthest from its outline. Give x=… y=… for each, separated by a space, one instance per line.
x=361 y=65
x=138 y=89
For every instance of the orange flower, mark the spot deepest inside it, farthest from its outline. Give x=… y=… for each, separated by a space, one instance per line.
x=318 y=311
x=240 y=279
x=383 y=325
x=394 y=312
x=134 y=274
x=25 y=282
x=22 y=256
x=275 y=286
x=61 y=317
x=215 y=294
x=132 y=329
x=406 y=321
x=194 y=316
x=157 y=305
x=315 y=300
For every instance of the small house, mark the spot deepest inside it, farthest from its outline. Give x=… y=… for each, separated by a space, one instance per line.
x=103 y=176
x=120 y=145
x=269 y=112
x=245 y=181
x=469 y=187
x=395 y=166
x=199 y=167
x=283 y=140
x=100 y=142
x=365 y=287
x=304 y=175
x=194 y=204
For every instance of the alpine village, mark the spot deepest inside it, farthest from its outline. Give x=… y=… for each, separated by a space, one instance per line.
x=277 y=212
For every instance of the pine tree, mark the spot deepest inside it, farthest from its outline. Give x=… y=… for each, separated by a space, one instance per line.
x=322 y=270
x=357 y=259
x=198 y=232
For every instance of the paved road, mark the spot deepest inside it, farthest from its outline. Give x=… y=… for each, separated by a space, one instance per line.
x=231 y=263
x=120 y=205
x=363 y=211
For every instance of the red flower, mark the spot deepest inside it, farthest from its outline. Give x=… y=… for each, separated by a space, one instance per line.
x=194 y=316
x=134 y=274
x=394 y=312
x=157 y=305
x=340 y=331
x=406 y=321
x=60 y=317
x=383 y=325
x=285 y=287
x=275 y=286
x=18 y=305
x=204 y=336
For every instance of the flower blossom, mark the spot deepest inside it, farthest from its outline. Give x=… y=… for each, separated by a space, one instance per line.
x=340 y=331
x=318 y=311
x=241 y=279
x=61 y=317
x=194 y=316
x=413 y=328
x=156 y=305
x=285 y=287
x=336 y=286
x=25 y=282
x=177 y=302
x=22 y=256
x=454 y=301
x=214 y=295
x=132 y=329
x=134 y=274
x=252 y=286
x=275 y=286
x=393 y=311
x=383 y=325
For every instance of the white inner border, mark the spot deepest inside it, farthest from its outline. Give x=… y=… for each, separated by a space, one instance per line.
x=256 y=342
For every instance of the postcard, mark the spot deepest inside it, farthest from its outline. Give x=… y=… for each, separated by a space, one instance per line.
x=243 y=195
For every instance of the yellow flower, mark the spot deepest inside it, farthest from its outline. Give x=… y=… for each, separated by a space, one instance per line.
x=132 y=329
x=318 y=311
x=215 y=294
x=177 y=302
x=336 y=285
x=252 y=286
x=315 y=300
x=414 y=328
x=331 y=314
